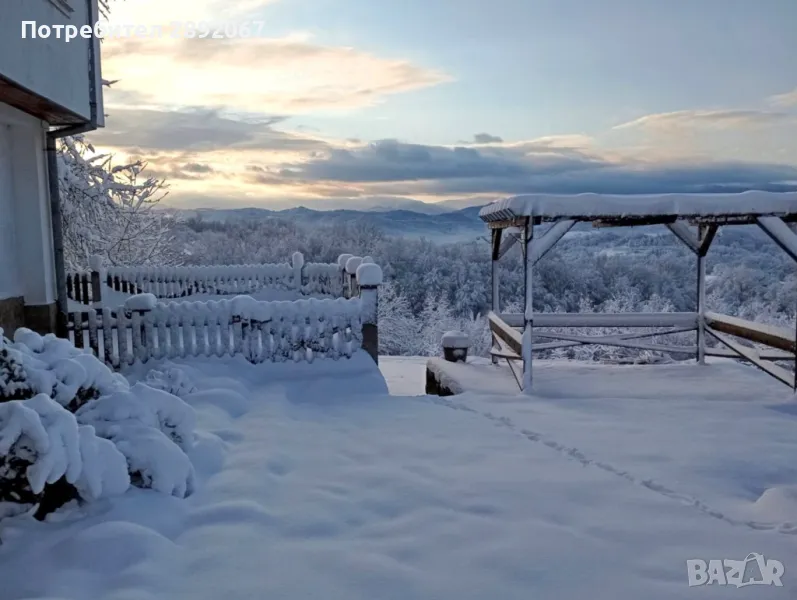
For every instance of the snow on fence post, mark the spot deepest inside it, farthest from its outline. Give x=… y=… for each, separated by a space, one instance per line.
x=369 y=278
x=455 y=346
x=344 y=276
x=297 y=261
x=351 y=269
x=97 y=277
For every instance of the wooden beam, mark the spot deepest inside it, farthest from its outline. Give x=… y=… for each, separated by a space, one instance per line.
x=511 y=361
x=707 y=237
x=780 y=233
x=766 y=354
x=504 y=223
x=542 y=245
x=669 y=319
x=752 y=355
x=510 y=240
x=686 y=235
x=511 y=337
x=597 y=340
x=769 y=335
x=615 y=341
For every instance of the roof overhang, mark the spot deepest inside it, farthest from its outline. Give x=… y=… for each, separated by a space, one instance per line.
x=628 y=210
x=37 y=106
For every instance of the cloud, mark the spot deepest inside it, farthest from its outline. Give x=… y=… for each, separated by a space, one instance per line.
x=713 y=119
x=486 y=138
x=786 y=99
x=198 y=129
x=288 y=75
x=389 y=167
x=171 y=169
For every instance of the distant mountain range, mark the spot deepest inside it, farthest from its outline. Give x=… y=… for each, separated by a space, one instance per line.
x=449 y=225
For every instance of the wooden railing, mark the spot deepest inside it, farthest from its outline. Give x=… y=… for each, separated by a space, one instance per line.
x=725 y=328
x=774 y=344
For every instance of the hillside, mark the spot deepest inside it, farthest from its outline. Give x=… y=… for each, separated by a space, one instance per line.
x=463 y=224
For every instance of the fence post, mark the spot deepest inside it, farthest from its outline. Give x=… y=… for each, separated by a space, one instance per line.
x=351 y=268
x=455 y=346
x=297 y=260
x=344 y=277
x=139 y=307
x=369 y=278
x=95 y=263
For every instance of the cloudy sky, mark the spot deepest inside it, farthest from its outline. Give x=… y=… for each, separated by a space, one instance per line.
x=344 y=101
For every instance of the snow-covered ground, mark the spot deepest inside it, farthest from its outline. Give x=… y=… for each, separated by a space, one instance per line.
x=313 y=482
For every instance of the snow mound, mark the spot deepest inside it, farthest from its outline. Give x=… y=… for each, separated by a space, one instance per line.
x=141 y=302
x=777 y=504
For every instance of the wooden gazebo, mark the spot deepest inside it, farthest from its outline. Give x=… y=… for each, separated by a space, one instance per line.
x=694 y=219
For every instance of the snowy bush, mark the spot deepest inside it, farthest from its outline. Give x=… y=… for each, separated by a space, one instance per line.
x=171 y=380
x=71 y=428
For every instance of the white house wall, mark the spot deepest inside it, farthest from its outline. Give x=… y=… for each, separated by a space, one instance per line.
x=27 y=264
x=10 y=284
x=35 y=258
x=51 y=68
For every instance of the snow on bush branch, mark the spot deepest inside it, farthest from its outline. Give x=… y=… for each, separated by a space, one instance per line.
x=71 y=428
x=107 y=210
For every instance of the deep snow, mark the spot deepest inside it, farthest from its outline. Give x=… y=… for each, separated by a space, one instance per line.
x=313 y=482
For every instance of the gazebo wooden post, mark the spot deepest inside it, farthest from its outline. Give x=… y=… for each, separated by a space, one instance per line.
x=496 y=299
x=528 y=317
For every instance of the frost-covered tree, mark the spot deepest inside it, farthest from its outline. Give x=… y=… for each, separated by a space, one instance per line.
x=111 y=210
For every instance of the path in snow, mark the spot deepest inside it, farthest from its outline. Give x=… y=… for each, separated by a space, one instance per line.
x=404 y=375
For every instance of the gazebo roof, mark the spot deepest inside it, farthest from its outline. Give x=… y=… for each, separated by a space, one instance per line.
x=634 y=209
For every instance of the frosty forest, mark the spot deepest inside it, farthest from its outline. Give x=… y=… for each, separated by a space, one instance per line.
x=113 y=210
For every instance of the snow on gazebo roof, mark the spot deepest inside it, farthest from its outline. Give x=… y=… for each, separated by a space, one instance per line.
x=595 y=207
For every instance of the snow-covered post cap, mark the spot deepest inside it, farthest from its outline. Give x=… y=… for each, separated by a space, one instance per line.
x=455 y=346
x=342 y=260
x=95 y=263
x=352 y=264
x=369 y=275
x=368 y=260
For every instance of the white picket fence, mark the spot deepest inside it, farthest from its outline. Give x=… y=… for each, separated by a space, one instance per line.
x=261 y=331
x=309 y=279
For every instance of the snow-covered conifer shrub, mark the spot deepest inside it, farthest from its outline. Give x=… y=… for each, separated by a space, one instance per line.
x=70 y=428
